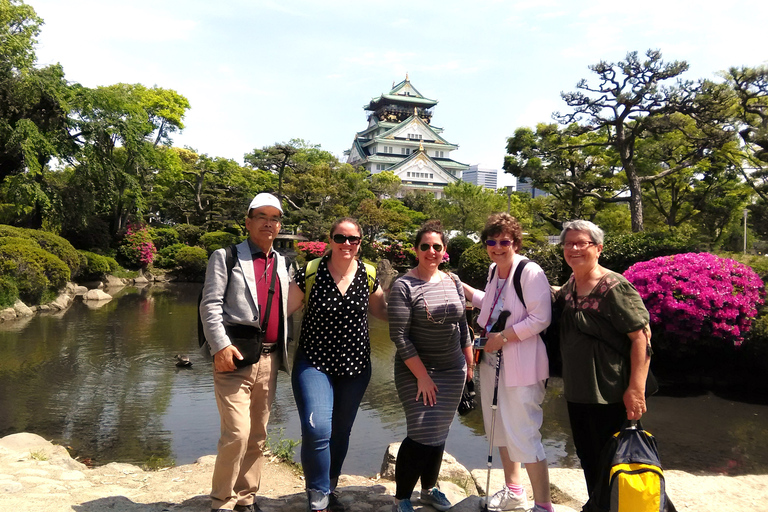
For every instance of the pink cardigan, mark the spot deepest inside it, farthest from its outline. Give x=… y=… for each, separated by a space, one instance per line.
x=525 y=361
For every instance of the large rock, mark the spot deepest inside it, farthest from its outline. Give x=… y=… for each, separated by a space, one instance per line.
x=80 y=291
x=450 y=469
x=32 y=445
x=96 y=295
x=141 y=281
x=62 y=302
x=22 y=309
x=7 y=314
x=115 y=282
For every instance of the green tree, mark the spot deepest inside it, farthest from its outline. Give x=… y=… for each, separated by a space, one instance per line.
x=122 y=131
x=467 y=206
x=631 y=103
x=575 y=168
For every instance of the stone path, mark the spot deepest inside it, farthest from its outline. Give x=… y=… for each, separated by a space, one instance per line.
x=37 y=475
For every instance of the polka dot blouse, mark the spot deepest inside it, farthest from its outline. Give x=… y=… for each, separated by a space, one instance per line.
x=334 y=330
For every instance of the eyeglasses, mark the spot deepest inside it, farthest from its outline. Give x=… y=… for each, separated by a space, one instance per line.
x=261 y=217
x=436 y=247
x=579 y=246
x=503 y=243
x=352 y=239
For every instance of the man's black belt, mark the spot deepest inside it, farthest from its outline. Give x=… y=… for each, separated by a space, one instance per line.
x=268 y=348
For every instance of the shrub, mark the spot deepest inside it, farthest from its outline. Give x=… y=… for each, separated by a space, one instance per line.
x=456 y=247
x=622 y=251
x=136 y=249
x=192 y=261
x=96 y=267
x=699 y=295
x=163 y=237
x=473 y=266
x=36 y=272
x=166 y=258
x=59 y=247
x=8 y=292
x=312 y=249
x=400 y=254
x=188 y=233
x=550 y=258
x=218 y=239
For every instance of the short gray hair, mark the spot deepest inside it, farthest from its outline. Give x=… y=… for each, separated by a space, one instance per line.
x=595 y=233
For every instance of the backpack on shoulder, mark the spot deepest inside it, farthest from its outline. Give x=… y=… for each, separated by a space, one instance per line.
x=631 y=476
x=551 y=335
x=231 y=258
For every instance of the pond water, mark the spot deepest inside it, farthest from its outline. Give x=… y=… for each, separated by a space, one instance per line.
x=103 y=382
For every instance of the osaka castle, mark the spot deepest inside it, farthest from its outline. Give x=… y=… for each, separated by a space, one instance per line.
x=400 y=138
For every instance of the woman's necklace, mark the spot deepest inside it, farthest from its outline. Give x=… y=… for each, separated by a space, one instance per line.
x=342 y=277
x=426 y=304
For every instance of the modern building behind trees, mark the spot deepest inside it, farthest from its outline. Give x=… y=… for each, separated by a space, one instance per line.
x=482 y=176
x=400 y=138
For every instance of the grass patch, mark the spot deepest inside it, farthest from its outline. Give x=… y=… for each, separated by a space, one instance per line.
x=282 y=448
x=126 y=274
x=157 y=463
x=38 y=455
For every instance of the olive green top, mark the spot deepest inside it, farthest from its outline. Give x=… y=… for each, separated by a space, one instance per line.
x=593 y=338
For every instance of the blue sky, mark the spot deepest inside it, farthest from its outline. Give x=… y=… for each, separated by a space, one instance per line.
x=259 y=72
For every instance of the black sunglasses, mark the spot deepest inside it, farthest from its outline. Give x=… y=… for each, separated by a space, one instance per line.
x=436 y=247
x=340 y=239
x=503 y=243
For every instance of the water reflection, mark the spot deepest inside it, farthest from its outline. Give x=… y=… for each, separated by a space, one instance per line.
x=104 y=382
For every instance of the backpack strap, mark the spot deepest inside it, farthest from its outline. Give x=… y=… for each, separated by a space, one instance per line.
x=310 y=273
x=516 y=279
x=370 y=270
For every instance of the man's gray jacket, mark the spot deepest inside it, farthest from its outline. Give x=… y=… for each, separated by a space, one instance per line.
x=240 y=305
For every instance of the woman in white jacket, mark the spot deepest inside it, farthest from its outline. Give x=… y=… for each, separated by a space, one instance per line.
x=524 y=364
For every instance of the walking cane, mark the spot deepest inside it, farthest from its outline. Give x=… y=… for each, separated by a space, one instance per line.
x=494 y=406
x=501 y=322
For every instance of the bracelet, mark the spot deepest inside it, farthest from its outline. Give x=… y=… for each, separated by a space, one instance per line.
x=503 y=338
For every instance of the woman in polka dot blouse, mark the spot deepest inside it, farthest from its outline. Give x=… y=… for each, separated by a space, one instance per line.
x=332 y=366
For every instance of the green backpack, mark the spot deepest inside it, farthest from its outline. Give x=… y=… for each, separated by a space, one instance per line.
x=311 y=272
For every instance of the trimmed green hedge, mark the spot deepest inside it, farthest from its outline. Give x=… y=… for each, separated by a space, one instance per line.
x=456 y=247
x=8 y=293
x=218 y=239
x=192 y=261
x=96 y=266
x=37 y=274
x=54 y=244
x=473 y=266
x=188 y=233
x=163 y=237
x=166 y=258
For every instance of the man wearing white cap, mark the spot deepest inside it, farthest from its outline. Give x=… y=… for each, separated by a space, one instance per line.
x=244 y=313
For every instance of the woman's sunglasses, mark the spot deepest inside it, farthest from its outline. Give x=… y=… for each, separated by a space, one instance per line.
x=436 y=247
x=340 y=239
x=503 y=243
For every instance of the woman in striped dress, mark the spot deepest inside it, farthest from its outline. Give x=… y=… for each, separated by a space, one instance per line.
x=434 y=358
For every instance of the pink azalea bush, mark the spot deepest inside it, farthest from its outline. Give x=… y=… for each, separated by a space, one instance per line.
x=312 y=249
x=137 y=248
x=398 y=253
x=698 y=295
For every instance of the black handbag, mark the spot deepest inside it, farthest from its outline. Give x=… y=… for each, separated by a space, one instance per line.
x=248 y=339
x=468 y=402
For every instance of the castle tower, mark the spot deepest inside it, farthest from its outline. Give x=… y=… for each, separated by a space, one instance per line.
x=400 y=138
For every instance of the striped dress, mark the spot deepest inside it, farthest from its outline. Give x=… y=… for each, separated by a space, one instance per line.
x=438 y=339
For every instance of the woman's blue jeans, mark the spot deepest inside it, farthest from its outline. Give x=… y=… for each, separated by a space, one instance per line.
x=327 y=408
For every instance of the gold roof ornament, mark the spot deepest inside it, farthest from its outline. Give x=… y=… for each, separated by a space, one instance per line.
x=406 y=76
x=421 y=146
x=415 y=111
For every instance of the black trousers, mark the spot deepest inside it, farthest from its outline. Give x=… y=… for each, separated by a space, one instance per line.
x=592 y=425
x=414 y=461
